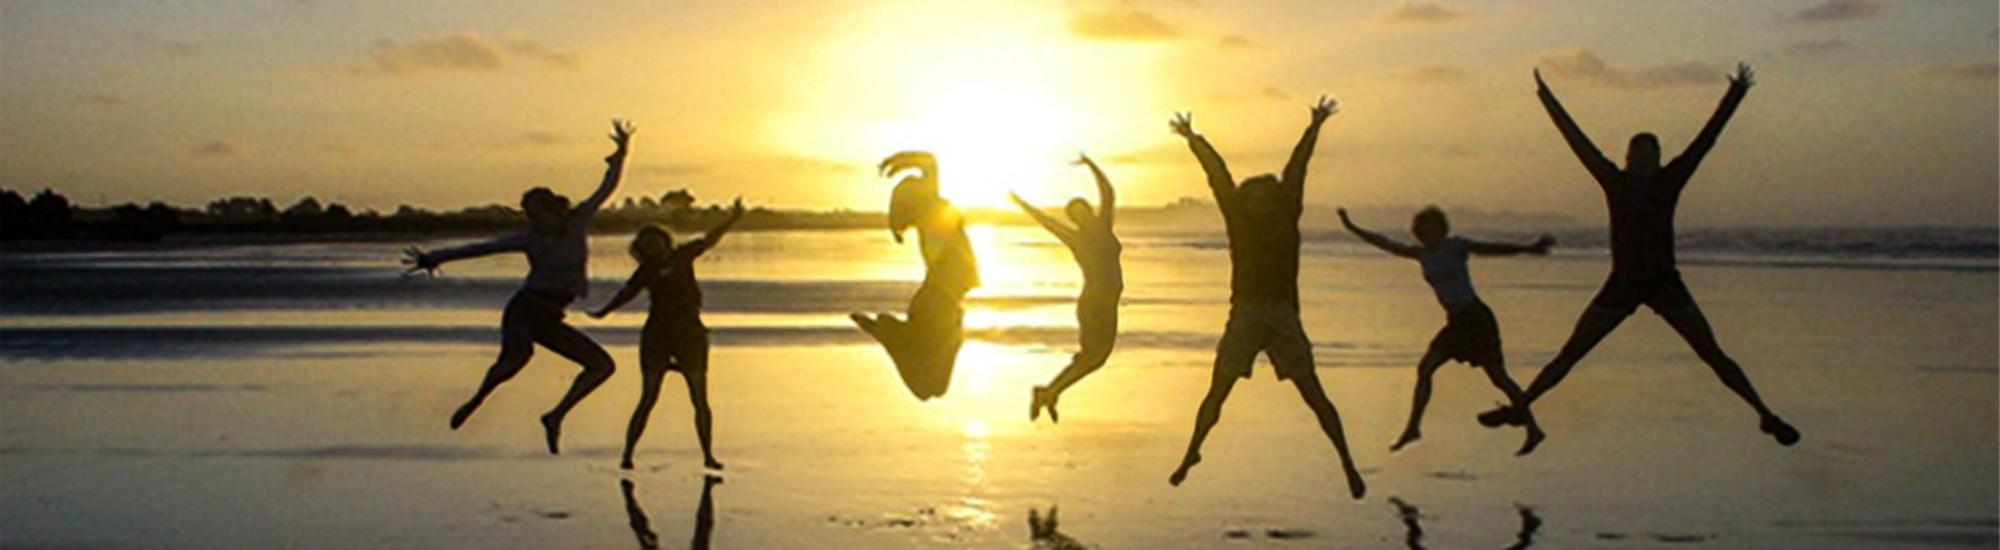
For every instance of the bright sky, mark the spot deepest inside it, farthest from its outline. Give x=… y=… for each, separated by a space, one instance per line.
x=1867 y=111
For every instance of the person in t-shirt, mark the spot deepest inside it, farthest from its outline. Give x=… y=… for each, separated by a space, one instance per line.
x=1470 y=335
x=674 y=338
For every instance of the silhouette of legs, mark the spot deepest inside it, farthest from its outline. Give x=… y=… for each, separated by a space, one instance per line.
x=651 y=374
x=1426 y=369
x=641 y=526
x=1517 y=400
x=1693 y=327
x=697 y=383
x=1591 y=328
x=1097 y=332
x=1219 y=385
x=517 y=345
x=1329 y=422
x=704 y=514
x=597 y=365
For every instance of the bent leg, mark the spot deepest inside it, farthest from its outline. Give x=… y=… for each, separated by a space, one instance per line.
x=1693 y=327
x=1426 y=369
x=573 y=344
x=1518 y=402
x=1219 y=385
x=516 y=347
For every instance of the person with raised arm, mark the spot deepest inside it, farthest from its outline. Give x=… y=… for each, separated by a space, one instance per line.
x=1471 y=334
x=1641 y=198
x=1261 y=217
x=674 y=338
x=924 y=347
x=1096 y=249
x=556 y=243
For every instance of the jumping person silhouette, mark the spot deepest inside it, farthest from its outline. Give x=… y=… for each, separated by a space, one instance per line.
x=1641 y=198
x=1261 y=217
x=558 y=249
x=1470 y=333
x=1096 y=250
x=925 y=347
x=674 y=338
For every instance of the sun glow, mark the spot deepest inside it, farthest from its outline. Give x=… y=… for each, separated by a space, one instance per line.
x=998 y=91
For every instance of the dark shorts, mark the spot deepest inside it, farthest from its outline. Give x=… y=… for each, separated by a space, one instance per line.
x=1626 y=293
x=1470 y=335
x=673 y=346
x=1274 y=330
x=531 y=311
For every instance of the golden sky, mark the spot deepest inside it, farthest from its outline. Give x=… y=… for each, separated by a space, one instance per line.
x=1867 y=111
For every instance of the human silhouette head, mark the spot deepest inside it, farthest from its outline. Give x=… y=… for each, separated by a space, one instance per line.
x=652 y=244
x=1643 y=154
x=911 y=201
x=1258 y=196
x=1079 y=211
x=545 y=210
x=1430 y=225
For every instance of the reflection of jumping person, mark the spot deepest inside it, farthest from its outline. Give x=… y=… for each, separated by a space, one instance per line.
x=925 y=346
x=1470 y=333
x=556 y=243
x=1096 y=249
x=642 y=527
x=674 y=338
x=1262 y=219
x=1641 y=198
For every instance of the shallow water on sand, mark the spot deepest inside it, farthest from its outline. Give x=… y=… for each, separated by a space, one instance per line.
x=252 y=424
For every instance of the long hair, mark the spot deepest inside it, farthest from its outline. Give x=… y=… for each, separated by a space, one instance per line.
x=638 y=252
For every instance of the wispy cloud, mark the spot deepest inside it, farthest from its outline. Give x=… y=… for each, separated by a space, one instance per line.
x=1585 y=65
x=1835 y=11
x=1423 y=13
x=464 y=51
x=1122 y=25
x=215 y=149
x=1821 y=46
x=1973 y=71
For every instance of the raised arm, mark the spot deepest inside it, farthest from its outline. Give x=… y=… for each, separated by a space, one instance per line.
x=715 y=234
x=1107 y=199
x=1539 y=247
x=1062 y=232
x=1379 y=241
x=614 y=170
x=428 y=262
x=1739 y=86
x=1600 y=168
x=1295 y=169
x=633 y=285
x=1219 y=181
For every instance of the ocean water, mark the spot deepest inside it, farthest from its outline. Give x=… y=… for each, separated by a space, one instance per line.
x=295 y=395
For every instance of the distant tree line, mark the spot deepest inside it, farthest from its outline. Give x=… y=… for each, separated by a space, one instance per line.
x=51 y=216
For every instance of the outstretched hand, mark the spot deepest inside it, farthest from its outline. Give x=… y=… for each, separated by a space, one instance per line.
x=1542 y=244
x=1325 y=108
x=1344 y=220
x=1183 y=124
x=419 y=261
x=1540 y=86
x=621 y=134
x=1744 y=77
x=1083 y=159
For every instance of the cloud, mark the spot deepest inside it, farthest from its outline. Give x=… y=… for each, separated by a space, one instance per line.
x=215 y=149
x=1974 y=71
x=1423 y=13
x=1434 y=74
x=1835 y=11
x=1817 y=47
x=1587 y=66
x=99 y=100
x=464 y=51
x=1123 y=25
x=1238 y=42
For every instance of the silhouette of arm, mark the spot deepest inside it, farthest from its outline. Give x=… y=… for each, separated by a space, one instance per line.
x=1219 y=181
x=614 y=170
x=1379 y=241
x=1062 y=232
x=633 y=285
x=1539 y=247
x=1594 y=161
x=511 y=242
x=715 y=234
x=1739 y=86
x=1107 y=198
x=1295 y=169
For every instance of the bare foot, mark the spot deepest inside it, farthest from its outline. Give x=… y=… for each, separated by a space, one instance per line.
x=625 y=464
x=464 y=413
x=1784 y=433
x=1180 y=474
x=1535 y=437
x=552 y=427
x=1502 y=415
x=1355 y=486
x=1408 y=438
x=711 y=463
